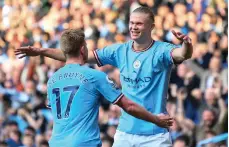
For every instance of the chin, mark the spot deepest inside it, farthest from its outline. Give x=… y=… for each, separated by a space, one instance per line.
x=134 y=37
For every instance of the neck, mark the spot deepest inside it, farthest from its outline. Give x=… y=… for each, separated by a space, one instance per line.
x=142 y=45
x=75 y=60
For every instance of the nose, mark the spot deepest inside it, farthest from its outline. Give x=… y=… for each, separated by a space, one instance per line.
x=134 y=26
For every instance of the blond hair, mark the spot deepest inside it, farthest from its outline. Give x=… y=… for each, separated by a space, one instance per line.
x=145 y=10
x=71 y=41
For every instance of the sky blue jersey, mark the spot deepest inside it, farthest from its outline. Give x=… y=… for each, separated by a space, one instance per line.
x=144 y=78
x=73 y=95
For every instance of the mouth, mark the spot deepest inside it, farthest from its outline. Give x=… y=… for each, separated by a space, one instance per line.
x=135 y=33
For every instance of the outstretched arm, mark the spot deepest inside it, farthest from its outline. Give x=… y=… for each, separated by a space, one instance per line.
x=185 y=52
x=33 y=51
x=136 y=110
x=48 y=52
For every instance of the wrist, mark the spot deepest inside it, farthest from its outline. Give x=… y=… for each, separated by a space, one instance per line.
x=155 y=119
x=41 y=51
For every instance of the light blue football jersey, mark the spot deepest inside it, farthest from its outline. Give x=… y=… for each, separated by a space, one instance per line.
x=144 y=78
x=73 y=94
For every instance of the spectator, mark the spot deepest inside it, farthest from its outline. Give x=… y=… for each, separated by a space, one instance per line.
x=40 y=23
x=182 y=141
x=209 y=122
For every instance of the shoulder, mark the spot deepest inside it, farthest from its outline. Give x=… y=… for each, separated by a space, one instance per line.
x=163 y=44
x=93 y=73
x=164 y=47
x=119 y=45
x=52 y=78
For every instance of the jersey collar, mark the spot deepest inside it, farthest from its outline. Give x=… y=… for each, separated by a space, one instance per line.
x=151 y=44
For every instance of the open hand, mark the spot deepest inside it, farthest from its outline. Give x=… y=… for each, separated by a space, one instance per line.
x=182 y=37
x=27 y=51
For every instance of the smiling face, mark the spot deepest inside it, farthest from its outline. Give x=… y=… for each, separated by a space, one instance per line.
x=140 y=26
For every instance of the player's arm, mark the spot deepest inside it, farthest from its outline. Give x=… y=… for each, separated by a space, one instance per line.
x=48 y=52
x=185 y=51
x=107 y=88
x=139 y=112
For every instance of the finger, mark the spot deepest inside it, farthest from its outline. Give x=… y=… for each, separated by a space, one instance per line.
x=23 y=48
x=170 y=121
x=22 y=56
x=181 y=37
x=161 y=114
x=174 y=33
x=179 y=33
x=188 y=40
x=19 y=53
x=169 y=125
x=185 y=39
x=167 y=117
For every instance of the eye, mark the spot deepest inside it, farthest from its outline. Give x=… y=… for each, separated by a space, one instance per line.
x=139 y=24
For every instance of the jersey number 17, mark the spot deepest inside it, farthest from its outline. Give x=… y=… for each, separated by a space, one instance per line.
x=56 y=91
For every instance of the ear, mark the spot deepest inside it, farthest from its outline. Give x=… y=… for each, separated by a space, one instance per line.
x=82 y=51
x=152 y=26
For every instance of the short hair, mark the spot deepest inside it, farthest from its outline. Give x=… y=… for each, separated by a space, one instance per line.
x=71 y=41
x=43 y=143
x=210 y=132
x=145 y=10
x=183 y=138
x=12 y=123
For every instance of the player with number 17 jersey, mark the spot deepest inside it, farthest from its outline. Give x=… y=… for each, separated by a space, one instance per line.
x=73 y=95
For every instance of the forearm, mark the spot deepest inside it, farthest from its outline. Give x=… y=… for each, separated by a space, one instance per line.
x=35 y=124
x=183 y=53
x=31 y=121
x=186 y=50
x=53 y=53
x=180 y=109
x=141 y=113
x=222 y=109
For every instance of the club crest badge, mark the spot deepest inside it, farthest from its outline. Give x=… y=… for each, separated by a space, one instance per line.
x=111 y=82
x=137 y=64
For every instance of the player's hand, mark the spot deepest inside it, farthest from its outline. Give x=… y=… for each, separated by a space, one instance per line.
x=164 y=121
x=27 y=51
x=182 y=37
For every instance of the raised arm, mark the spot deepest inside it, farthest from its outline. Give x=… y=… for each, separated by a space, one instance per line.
x=53 y=53
x=136 y=110
x=185 y=52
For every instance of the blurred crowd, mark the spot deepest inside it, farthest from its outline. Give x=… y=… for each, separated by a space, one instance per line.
x=198 y=89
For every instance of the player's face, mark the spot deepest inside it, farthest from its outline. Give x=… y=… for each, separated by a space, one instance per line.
x=140 y=26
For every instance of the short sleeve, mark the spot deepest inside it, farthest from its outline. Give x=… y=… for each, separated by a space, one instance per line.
x=107 y=88
x=167 y=53
x=107 y=55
